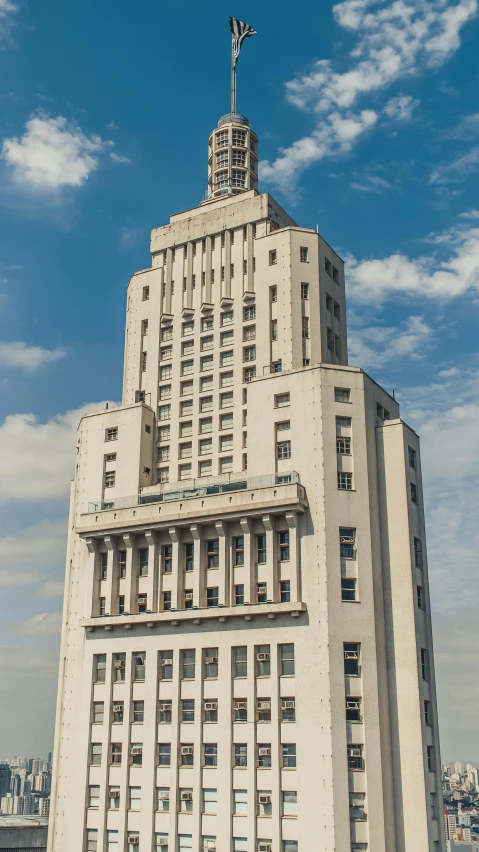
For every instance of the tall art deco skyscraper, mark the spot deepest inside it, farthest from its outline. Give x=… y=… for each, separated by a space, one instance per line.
x=246 y=660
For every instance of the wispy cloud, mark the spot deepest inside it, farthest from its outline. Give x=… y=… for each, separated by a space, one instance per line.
x=21 y=355
x=54 y=153
x=451 y=269
x=43 y=624
x=394 y=42
x=457 y=170
x=7 y=11
x=401 y=108
x=372 y=184
x=373 y=346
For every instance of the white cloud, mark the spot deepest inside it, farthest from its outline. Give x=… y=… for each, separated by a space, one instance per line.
x=394 y=41
x=117 y=158
x=7 y=9
x=53 y=153
x=37 y=459
x=31 y=554
x=457 y=170
x=372 y=184
x=51 y=589
x=44 y=624
x=30 y=358
x=451 y=270
x=375 y=346
x=401 y=108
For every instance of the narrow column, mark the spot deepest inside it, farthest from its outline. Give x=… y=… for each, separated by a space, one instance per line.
x=131 y=581
x=111 y=595
x=93 y=575
x=174 y=764
x=176 y=590
x=271 y=558
x=292 y=521
x=249 y=561
x=223 y=579
x=249 y=278
x=188 y=296
x=169 y=275
x=226 y=288
x=152 y=587
x=197 y=578
x=208 y=267
x=124 y=736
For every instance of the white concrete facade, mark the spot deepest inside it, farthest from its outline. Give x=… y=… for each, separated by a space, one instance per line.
x=247 y=659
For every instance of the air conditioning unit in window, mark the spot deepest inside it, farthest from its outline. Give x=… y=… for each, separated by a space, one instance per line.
x=188 y=596
x=357 y=802
x=351 y=655
x=210 y=661
x=186 y=797
x=118 y=708
x=264 y=799
x=264 y=752
x=136 y=750
x=210 y=846
x=211 y=705
x=287 y=704
x=264 y=705
x=114 y=794
x=241 y=705
x=167 y=662
x=165 y=706
x=139 y=661
x=265 y=847
x=263 y=657
x=140 y=396
x=134 y=841
x=164 y=795
x=119 y=664
x=346 y=539
x=187 y=750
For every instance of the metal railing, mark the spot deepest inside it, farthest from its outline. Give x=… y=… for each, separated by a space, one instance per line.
x=197 y=488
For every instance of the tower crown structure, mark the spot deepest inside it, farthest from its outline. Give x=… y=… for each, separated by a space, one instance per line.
x=232 y=157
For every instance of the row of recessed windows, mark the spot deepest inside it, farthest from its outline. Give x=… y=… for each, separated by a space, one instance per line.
x=209 y=800
x=185 y=841
x=262 y=713
x=205 y=447
x=205 y=425
x=303 y=256
x=187 y=663
x=186 y=754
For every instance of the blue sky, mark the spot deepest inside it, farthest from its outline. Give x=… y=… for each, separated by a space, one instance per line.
x=368 y=120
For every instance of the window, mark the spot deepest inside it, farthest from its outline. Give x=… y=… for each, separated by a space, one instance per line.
x=274 y=294
x=136 y=754
x=263 y=709
x=265 y=807
x=188 y=710
x=283 y=538
x=430 y=758
x=102 y=606
x=227 y=318
x=290 y=846
x=342 y=395
x=210 y=710
x=118 y=712
x=305 y=327
x=238 y=550
x=165 y=712
x=185 y=842
x=352 y=652
x=273 y=259
x=261 y=548
x=188 y=328
x=240 y=710
x=206 y=403
x=249 y=332
x=347 y=546
x=188 y=664
x=98 y=712
x=286 y=655
x=110 y=479
x=103 y=565
x=356 y=806
x=277 y=366
x=335 y=275
x=209 y=801
x=345 y=481
x=413 y=493
x=226 y=464
x=212 y=553
x=263 y=661
x=205 y=447
x=112 y=841
x=186 y=388
x=281 y=400
x=185 y=451
x=186 y=799
x=164 y=412
x=121 y=604
x=205 y=468
x=288 y=710
x=249 y=313
x=187 y=347
x=184 y=471
x=94 y=796
x=138 y=711
x=264 y=755
x=303 y=254
x=353 y=709
x=412 y=458
x=343 y=445
x=166 y=665
x=226 y=379
x=274 y=329
x=418 y=553
x=239 y=594
x=166 y=601
x=227 y=338
x=187 y=367
x=92 y=836
x=134 y=799
x=421 y=600
x=113 y=802
x=186 y=754
x=165 y=392
x=240 y=754
x=205 y=425
x=164 y=454
x=304 y=291
x=167 y=333
x=210 y=754
x=285 y=591
x=240 y=665
x=206 y=363
x=143 y=562
x=348 y=589
x=189 y=556
x=343 y=422
x=99 y=668
x=116 y=753
x=207 y=342
x=283 y=450
x=261 y=592
x=138 y=666
x=162 y=798
x=355 y=756
x=427 y=713
x=186 y=408
x=249 y=373
x=119 y=664
x=212 y=596
x=166 y=352
x=164 y=754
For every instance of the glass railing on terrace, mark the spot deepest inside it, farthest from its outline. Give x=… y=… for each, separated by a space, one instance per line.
x=196 y=488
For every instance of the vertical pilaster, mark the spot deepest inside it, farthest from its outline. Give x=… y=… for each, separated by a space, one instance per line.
x=224 y=572
x=292 y=521
x=271 y=558
x=249 y=561
x=188 y=296
x=208 y=268
x=249 y=278
x=111 y=591
x=93 y=575
x=198 y=569
x=131 y=578
x=176 y=578
x=152 y=585
x=226 y=288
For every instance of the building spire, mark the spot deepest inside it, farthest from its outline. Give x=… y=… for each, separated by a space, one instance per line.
x=239 y=31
